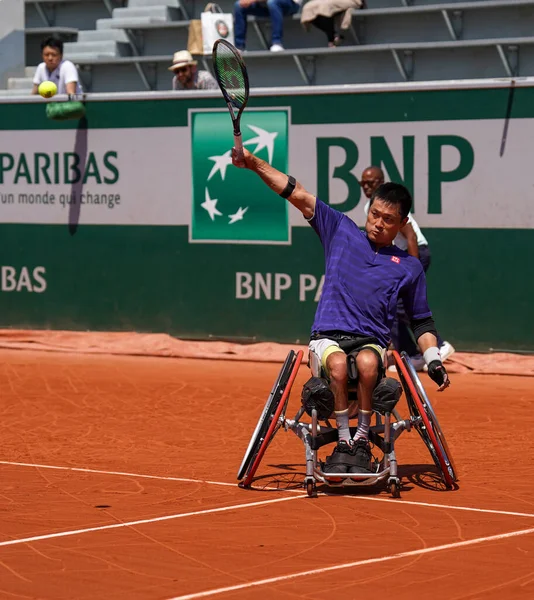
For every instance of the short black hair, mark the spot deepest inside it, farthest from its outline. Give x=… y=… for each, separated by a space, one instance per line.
x=394 y=193
x=52 y=42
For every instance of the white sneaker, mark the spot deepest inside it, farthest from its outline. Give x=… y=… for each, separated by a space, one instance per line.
x=446 y=350
x=277 y=48
x=392 y=369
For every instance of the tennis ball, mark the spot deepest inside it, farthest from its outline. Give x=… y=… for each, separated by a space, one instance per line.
x=47 y=89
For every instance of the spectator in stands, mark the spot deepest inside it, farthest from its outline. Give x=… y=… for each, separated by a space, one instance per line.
x=56 y=69
x=187 y=76
x=410 y=239
x=330 y=16
x=275 y=9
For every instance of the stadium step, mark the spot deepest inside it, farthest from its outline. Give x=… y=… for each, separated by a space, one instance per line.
x=18 y=92
x=84 y=57
x=165 y=13
x=30 y=71
x=107 y=24
x=143 y=3
x=103 y=35
x=108 y=48
x=19 y=83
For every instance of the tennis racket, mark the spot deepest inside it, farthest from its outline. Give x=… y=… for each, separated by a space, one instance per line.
x=232 y=78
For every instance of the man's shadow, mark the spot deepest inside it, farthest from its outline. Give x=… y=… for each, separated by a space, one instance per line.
x=81 y=149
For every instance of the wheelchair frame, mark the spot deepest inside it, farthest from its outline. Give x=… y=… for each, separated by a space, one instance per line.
x=319 y=433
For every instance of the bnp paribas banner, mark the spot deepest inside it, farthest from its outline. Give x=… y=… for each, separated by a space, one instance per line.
x=460 y=173
x=135 y=217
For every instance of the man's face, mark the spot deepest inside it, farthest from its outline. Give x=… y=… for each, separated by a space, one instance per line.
x=185 y=75
x=370 y=181
x=383 y=222
x=51 y=57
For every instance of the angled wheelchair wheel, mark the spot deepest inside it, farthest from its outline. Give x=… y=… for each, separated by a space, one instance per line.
x=269 y=421
x=428 y=426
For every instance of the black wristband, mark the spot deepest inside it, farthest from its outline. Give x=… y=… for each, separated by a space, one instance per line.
x=288 y=190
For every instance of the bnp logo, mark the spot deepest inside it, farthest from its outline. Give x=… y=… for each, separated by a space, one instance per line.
x=232 y=205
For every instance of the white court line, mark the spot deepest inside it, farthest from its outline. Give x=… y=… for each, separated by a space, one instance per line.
x=50 y=536
x=358 y=563
x=187 y=480
x=184 y=479
x=445 y=506
x=123 y=474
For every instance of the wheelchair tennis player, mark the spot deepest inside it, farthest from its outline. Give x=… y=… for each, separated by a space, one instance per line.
x=365 y=275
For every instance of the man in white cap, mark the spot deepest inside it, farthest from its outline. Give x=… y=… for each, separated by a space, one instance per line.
x=187 y=76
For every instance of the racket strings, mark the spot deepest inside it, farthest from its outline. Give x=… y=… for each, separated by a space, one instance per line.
x=231 y=75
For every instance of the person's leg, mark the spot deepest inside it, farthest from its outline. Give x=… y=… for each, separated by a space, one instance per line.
x=336 y=368
x=369 y=365
x=240 y=26
x=258 y=9
x=327 y=359
x=325 y=24
x=278 y=9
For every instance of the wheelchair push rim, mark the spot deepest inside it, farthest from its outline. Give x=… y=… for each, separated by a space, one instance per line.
x=428 y=426
x=269 y=421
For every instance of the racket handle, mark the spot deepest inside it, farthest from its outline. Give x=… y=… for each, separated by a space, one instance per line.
x=238 y=145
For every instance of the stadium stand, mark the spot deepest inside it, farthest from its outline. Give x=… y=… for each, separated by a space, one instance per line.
x=127 y=46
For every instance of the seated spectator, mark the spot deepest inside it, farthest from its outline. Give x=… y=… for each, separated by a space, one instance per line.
x=330 y=16
x=187 y=76
x=54 y=68
x=275 y=9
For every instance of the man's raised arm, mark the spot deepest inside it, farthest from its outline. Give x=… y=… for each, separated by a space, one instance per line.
x=280 y=183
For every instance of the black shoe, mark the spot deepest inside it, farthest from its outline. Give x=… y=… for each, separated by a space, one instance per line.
x=361 y=463
x=340 y=460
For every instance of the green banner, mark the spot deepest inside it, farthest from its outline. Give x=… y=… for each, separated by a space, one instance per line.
x=230 y=205
x=135 y=219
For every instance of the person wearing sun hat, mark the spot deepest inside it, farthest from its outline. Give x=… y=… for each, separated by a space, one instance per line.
x=187 y=76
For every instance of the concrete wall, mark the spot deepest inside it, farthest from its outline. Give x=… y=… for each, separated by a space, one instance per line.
x=12 y=54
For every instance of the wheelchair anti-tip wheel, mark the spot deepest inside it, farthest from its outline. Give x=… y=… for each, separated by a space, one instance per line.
x=269 y=421
x=426 y=423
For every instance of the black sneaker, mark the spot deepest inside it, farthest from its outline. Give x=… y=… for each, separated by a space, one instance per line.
x=341 y=459
x=361 y=463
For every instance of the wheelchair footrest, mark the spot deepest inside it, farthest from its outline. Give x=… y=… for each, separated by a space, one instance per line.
x=327 y=436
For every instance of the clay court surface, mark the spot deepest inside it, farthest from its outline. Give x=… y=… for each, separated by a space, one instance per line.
x=118 y=481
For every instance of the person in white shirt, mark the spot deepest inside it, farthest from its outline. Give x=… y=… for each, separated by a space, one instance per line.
x=54 y=68
x=414 y=242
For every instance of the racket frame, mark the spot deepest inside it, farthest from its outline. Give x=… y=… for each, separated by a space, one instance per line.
x=235 y=111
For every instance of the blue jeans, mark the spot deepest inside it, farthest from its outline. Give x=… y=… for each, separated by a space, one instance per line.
x=276 y=9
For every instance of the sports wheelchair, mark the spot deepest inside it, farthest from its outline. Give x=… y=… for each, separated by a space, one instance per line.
x=319 y=432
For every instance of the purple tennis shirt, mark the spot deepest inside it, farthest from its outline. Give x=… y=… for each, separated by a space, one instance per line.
x=362 y=284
